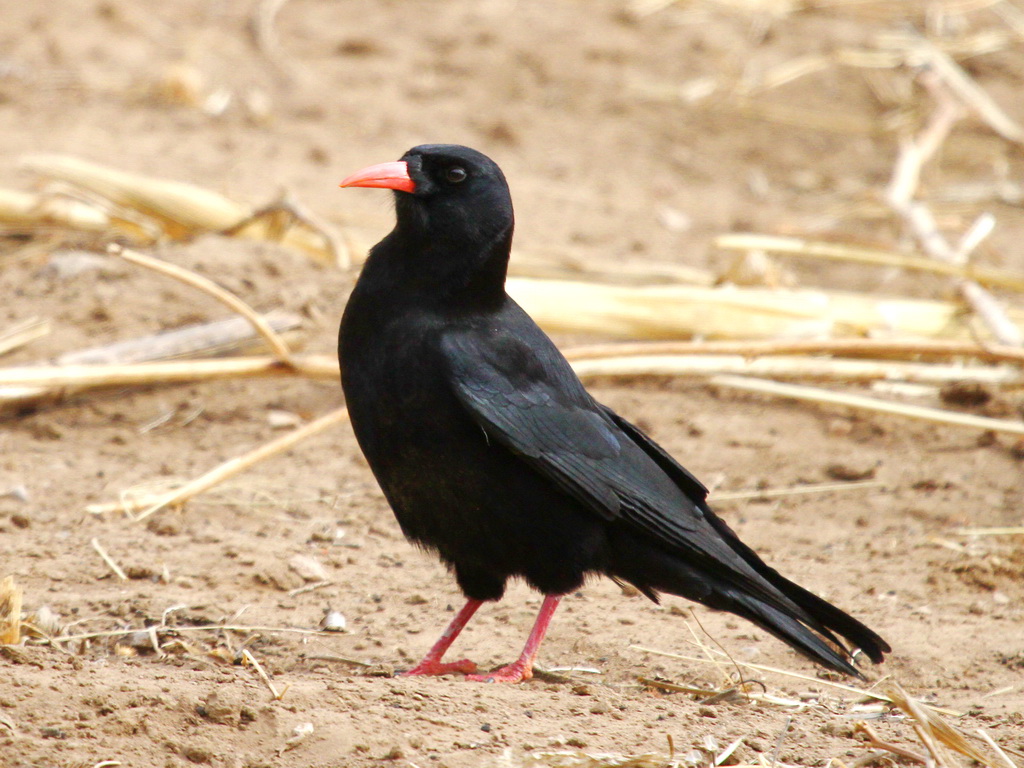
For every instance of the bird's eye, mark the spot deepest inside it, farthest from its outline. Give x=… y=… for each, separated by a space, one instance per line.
x=456 y=174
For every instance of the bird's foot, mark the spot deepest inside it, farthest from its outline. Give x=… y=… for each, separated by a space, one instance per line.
x=516 y=672
x=435 y=667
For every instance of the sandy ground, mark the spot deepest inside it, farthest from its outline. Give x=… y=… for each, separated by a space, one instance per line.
x=578 y=102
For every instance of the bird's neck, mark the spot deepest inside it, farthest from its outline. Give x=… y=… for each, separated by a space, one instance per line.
x=442 y=271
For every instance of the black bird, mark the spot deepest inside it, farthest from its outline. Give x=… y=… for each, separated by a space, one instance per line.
x=492 y=453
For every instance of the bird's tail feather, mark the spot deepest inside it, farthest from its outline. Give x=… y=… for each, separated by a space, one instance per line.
x=810 y=627
x=823 y=612
x=793 y=633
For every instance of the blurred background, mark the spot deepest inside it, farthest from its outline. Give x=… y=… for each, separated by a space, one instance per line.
x=868 y=153
x=638 y=129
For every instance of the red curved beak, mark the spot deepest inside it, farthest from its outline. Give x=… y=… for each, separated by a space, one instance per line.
x=384 y=175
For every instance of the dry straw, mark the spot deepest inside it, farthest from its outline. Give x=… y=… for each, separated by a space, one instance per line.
x=10 y=611
x=210 y=288
x=166 y=209
x=20 y=334
x=823 y=396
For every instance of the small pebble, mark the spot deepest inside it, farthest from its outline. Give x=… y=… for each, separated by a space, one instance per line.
x=333 y=621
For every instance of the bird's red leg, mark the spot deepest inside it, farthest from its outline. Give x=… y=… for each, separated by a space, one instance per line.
x=522 y=668
x=432 y=664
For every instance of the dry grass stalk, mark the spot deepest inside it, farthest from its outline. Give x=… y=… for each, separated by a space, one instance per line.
x=860 y=692
x=795 y=246
x=817 y=395
x=309 y=588
x=914 y=154
x=143 y=495
x=210 y=288
x=967 y=91
x=876 y=741
x=997 y=749
x=33 y=383
x=933 y=730
x=183 y=210
x=876 y=348
x=677 y=311
x=796 y=490
x=336 y=658
x=20 y=385
x=787 y=367
x=10 y=612
x=20 y=334
x=30 y=211
x=764 y=668
x=240 y=463
x=108 y=633
x=214 y=338
x=990 y=531
x=732 y=692
x=263 y=675
x=108 y=559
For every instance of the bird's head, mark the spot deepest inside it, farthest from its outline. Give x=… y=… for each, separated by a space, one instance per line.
x=452 y=204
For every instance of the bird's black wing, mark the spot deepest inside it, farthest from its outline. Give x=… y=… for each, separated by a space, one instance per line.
x=525 y=397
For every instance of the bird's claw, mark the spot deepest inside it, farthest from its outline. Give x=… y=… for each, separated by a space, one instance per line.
x=511 y=673
x=432 y=667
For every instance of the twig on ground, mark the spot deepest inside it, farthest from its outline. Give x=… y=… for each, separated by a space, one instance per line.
x=20 y=334
x=108 y=560
x=720 y=664
x=740 y=680
x=953 y=76
x=1009 y=531
x=201 y=339
x=174 y=372
x=771 y=493
x=240 y=463
x=676 y=688
x=730 y=312
x=778 y=741
x=276 y=344
x=764 y=668
x=21 y=385
x=914 y=154
x=873 y=348
x=794 y=246
x=996 y=748
x=818 y=395
x=309 y=588
x=876 y=741
x=338 y=659
x=932 y=729
x=795 y=367
x=204 y=628
x=265 y=677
